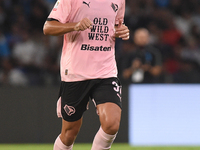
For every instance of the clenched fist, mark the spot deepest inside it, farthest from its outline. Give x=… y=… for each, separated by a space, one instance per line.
x=83 y=25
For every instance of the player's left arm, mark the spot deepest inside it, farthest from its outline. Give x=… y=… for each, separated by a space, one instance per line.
x=122 y=31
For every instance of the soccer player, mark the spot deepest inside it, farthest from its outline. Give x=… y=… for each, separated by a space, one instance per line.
x=88 y=67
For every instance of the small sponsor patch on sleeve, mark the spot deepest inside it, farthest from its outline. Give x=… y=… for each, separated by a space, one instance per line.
x=66 y=71
x=56 y=5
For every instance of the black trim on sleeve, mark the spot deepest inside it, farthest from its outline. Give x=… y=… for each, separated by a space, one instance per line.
x=52 y=19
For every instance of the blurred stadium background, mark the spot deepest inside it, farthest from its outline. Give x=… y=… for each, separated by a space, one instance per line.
x=160 y=98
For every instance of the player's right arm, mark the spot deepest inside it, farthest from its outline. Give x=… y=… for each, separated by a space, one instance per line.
x=56 y=28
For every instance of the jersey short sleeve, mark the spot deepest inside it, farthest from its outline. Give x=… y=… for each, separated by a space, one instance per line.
x=121 y=12
x=61 y=11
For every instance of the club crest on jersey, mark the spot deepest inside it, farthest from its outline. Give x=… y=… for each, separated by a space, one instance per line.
x=114 y=7
x=56 y=5
x=70 y=110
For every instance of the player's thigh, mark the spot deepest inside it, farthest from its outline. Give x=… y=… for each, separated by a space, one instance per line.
x=109 y=116
x=107 y=96
x=109 y=113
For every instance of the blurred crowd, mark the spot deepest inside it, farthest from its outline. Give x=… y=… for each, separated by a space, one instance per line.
x=167 y=47
x=163 y=47
x=27 y=57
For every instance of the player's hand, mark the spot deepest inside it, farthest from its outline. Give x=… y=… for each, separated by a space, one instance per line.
x=83 y=25
x=122 y=31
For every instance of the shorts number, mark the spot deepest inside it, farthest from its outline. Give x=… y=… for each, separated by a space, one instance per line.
x=118 y=88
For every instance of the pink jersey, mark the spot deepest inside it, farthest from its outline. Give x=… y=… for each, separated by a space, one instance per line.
x=89 y=54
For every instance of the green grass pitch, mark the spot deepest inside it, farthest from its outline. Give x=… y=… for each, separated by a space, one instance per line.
x=87 y=147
